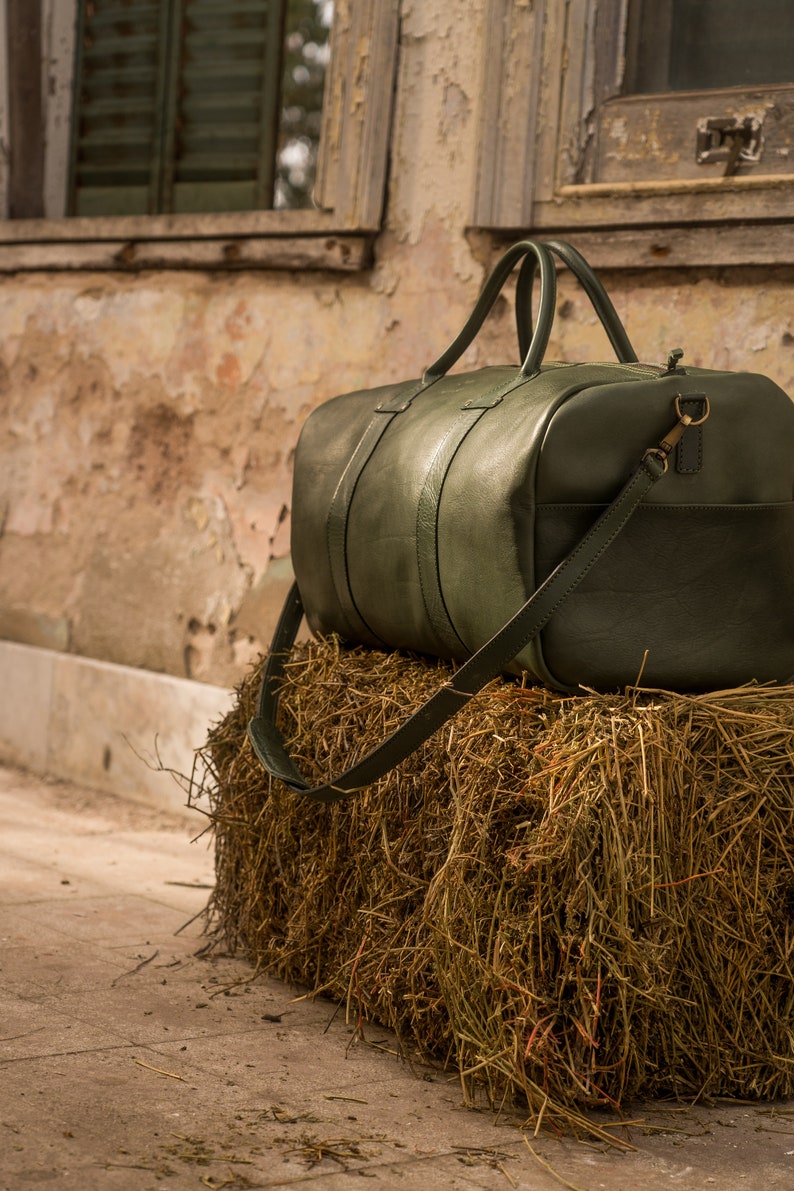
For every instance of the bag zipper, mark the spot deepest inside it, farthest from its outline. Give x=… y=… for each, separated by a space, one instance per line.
x=643 y=369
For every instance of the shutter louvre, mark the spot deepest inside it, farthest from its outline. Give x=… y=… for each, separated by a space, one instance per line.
x=176 y=105
x=227 y=119
x=119 y=89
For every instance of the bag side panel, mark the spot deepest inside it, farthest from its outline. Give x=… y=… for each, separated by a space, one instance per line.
x=747 y=441
x=694 y=598
x=681 y=576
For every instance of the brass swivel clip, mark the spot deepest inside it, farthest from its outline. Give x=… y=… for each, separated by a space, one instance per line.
x=670 y=440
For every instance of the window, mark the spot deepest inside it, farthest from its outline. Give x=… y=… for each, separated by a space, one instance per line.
x=188 y=132
x=176 y=106
x=695 y=45
x=707 y=92
x=665 y=121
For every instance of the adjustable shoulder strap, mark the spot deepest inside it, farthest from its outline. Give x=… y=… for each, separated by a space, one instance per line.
x=485 y=664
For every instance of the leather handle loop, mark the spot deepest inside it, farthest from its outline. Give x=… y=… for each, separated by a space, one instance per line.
x=536 y=347
x=485 y=664
x=589 y=282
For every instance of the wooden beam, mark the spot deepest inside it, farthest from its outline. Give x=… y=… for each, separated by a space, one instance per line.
x=691 y=247
x=209 y=225
x=357 y=112
x=508 y=118
x=346 y=253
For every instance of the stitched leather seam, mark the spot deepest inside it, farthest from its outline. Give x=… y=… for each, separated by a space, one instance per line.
x=506 y=385
x=680 y=451
x=695 y=406
x=660 y=508
x=433 y=599
x=337 y=522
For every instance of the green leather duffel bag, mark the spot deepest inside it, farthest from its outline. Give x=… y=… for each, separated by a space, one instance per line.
x=593 y=525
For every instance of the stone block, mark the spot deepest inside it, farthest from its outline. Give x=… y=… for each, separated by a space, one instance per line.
x=25 y=695
x=129 y=732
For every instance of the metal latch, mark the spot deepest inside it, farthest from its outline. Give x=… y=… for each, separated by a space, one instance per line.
x=729 y=139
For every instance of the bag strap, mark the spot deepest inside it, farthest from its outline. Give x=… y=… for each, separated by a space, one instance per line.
x=481 y=667
x=535 y=340
x=600 y=299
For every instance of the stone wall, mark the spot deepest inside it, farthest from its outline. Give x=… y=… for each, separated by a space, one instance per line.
x=147 y=422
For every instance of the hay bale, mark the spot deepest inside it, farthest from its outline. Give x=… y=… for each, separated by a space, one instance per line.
x=576 y=900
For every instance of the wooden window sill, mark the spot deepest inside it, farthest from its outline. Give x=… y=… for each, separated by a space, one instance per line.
x=131 y=243
x=687 y=246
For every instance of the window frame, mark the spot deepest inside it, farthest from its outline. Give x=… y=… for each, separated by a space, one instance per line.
x=350 y=189
x=539 y=181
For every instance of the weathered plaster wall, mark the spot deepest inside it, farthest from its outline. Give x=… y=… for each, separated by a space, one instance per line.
x=147 y=423
x=146 y=451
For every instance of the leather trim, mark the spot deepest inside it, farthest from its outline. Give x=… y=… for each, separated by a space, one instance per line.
x=427 y=531
x=689 y=452
x=336 y=529
x=428 y=509
x=339 y=513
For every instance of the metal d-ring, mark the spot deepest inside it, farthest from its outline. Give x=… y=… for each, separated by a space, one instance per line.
x=690 y=421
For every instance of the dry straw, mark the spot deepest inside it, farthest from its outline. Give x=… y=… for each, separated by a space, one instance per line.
x=575 y=900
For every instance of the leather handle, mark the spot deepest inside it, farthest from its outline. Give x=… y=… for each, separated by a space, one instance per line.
x=485 y=664
x=535 y=349
x=602 y=303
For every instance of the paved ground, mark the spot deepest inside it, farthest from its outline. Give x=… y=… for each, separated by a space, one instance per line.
x=131 y=1058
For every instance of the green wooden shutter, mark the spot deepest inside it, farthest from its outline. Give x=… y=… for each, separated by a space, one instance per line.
x=226 y=106
x=176 y=105
x=120 y=90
